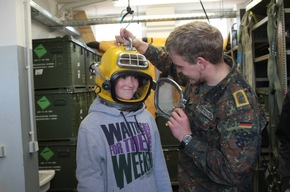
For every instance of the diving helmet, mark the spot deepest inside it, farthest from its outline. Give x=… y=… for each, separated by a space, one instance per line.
x=118 y=62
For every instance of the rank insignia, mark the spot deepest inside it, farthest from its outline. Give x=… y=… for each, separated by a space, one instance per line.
x=205 y=111
x=241 y=98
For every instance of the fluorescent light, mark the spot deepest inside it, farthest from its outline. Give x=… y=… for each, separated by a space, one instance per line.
x=124 y=3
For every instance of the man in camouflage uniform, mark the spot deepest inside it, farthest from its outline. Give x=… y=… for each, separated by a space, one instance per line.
x=283 y=134
x=220 y=127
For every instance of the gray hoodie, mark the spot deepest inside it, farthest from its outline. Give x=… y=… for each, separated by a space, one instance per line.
x=120 y=152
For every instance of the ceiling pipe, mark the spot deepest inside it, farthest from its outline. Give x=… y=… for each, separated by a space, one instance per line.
x=150 y=18
x=67 y=26
x=54 y=23
x=66 y=1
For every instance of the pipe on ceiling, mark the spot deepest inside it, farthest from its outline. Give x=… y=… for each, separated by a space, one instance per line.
x=55 y=23
x=150 y=18
x=66 y=1
x=46 y=18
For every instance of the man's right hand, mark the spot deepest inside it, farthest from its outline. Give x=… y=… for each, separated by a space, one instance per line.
x=124 y=34
x=140 y=45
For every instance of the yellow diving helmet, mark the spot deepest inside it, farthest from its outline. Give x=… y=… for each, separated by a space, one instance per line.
x=122 y=61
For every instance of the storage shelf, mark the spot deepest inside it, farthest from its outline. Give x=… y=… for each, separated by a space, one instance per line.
x=262 y=79
x=262 y=58
x=252 y=4
x=258 y=8
x=287 y=10
x=260 y=23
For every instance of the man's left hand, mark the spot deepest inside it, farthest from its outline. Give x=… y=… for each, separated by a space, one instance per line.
x=179 y=124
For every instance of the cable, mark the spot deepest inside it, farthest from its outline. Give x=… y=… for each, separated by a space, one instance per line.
x=128 y=11
x=204 y=10
x=130 y=131
x=142 y=131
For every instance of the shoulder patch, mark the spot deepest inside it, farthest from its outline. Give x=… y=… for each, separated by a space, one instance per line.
x=241 y=98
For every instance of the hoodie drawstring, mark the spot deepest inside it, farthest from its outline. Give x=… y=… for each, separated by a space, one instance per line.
x=131 y=134
x=142 y=131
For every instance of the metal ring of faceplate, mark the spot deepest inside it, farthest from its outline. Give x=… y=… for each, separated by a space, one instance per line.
x=161 y=81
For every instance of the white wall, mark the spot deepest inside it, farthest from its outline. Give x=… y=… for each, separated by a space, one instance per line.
x=18 y=164
x=107 y=32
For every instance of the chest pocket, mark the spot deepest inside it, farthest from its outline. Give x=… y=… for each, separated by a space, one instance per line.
x=203 y=122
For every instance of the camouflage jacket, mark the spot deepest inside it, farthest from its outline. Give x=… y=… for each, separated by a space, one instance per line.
x=226 y=122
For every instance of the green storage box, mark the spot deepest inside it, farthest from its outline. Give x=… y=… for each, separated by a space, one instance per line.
x=90 y=57
x=166 y=137
x=59 y=114
x=91 y=97
x=61 y=157
x=171 y=155
x=58 y=63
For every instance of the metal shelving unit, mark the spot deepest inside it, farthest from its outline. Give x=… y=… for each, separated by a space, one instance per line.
x=283 y=42
x=270 y=100
x=260 y=54
x=270 y=97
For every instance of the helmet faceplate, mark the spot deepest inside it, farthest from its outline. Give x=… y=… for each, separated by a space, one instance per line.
x=117 y=62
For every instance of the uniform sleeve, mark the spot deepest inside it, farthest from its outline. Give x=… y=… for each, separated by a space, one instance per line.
x=283 y=134
x=88 y=172
x=160 y=168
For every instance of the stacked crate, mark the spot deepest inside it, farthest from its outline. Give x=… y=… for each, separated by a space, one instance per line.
x=63 y=93
x=170 y=149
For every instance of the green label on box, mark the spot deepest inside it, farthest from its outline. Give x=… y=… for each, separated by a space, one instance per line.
x=43 y=103
x=46 y=153
x=40 y=50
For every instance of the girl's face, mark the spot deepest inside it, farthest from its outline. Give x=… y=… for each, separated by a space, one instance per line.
x=126 y=86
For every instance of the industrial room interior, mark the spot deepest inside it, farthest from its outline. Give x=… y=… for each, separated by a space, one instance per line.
x=38 y=143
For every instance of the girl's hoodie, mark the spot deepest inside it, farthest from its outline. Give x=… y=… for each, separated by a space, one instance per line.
x=118 y=151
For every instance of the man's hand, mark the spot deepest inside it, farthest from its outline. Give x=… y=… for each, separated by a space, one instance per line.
x=122 y=39
x=124 y=34
x=179 y=124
